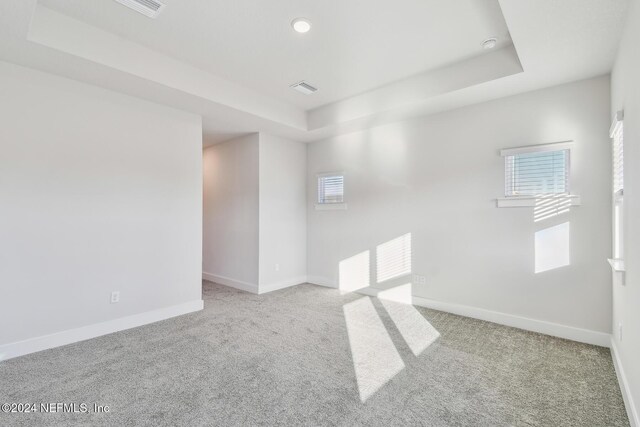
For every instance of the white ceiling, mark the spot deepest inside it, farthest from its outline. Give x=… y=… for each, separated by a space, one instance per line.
x=353 y=46
x=374 y=61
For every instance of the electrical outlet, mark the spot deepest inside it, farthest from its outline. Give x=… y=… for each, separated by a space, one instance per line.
x=277 y=267
x=115 y=297
x=620 y=331
x=419 y=280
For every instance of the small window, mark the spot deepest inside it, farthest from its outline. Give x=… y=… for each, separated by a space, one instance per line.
x=537 y=171
x=617 y=135
x=618 y=159
x=330 y=189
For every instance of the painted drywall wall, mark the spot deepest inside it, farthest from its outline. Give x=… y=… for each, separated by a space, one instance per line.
x=99 y=192
x=436 y=179
x=625 y=95
x=283 y=212
x=255 y=213
x=230 y=246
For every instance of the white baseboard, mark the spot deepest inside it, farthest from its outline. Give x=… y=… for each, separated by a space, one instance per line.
x=253 y=288
x=632 y=412
x=45 y=342
x=322 y=281
x=548 y=328
x=263 y=289
x=233 y=283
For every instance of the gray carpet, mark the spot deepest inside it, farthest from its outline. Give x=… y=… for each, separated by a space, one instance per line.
x=309 y=356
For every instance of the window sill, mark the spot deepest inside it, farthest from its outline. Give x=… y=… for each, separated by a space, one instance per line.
x=617 y=265
x=526 y=202
x=331 y=207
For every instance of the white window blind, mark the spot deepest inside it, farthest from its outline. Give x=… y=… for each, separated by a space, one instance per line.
x=617 y=135
x=535 y=173
x=618 y=159
x=330 y=189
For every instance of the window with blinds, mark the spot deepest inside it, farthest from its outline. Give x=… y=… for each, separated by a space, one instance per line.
x=537 y=172
x=617 y=150
x=330 y=189
x=618 y=159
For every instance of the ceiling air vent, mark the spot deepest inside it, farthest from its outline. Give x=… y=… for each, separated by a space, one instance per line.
x=304 y=87
x=150 y=8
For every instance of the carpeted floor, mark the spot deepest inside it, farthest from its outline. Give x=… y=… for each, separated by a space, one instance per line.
x=309 y=356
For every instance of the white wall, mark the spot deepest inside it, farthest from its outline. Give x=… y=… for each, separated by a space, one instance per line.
x=99 y=192
x=283 y=212
x=625 y=95
x=438 y=177
x=231 y=199
x=255 y=213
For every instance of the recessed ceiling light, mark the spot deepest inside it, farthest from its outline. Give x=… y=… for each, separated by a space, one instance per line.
x=301 y=25
x=490 y=43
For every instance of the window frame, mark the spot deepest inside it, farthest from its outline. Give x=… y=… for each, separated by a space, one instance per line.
x=511 y=153
x=520 y=201
x=616 y=131
x=618 y=211
x=320 y=205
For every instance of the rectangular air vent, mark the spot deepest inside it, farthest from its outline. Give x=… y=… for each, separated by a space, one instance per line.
x=304 y=87
x=150 y=8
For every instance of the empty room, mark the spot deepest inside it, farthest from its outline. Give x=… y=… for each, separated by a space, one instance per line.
x=320 y=213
